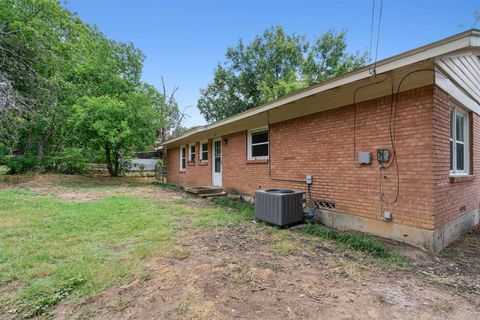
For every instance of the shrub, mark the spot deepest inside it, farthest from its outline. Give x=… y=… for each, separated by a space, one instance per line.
x=69 y=161
x=125 y=166
x=4 y=150
x=22 y=164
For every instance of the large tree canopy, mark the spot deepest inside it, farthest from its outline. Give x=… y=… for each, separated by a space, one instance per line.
x=115 y=126
x=50 y=61
x=272 y=65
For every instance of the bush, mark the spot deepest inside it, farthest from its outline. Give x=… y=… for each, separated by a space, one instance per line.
x=4 y=150
x=22 y=164
x=69 y=161
x=125 y=166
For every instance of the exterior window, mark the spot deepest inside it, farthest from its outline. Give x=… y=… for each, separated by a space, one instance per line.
x=183 y=158
x=204 y=151
x=258 y=144
x=191 y=150
x=459 y=144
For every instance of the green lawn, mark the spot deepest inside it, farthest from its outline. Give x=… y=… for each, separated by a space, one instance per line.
x=52 y=249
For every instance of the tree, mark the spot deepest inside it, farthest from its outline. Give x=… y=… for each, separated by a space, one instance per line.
x=273 y=65
x=115 y=126
x=37 y=39
x=167 y=109
x=48 y=60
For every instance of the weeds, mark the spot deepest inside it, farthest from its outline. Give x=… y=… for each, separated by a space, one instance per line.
x=235 y=204
x=360 y=242
x=232 y=213
x=44 y=301
x=447 y=307
x=180 y=253
x=354 y=241
x=449 y=254
x=168 y=186
x=285 y=248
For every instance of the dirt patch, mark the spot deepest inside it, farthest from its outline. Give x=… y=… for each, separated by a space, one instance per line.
x=235 y=274
x=89 y=188
x=457 y=267
x=80 y=197
x=255 y=272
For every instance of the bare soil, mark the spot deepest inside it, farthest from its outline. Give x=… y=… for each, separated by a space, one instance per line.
x=236 y=273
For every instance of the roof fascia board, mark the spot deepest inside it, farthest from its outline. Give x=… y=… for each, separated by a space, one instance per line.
x=432 y=50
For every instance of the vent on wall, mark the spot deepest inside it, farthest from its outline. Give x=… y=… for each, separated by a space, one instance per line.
x=324 y=204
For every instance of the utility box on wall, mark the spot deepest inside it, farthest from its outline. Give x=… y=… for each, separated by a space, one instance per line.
x=383 y=155
x=364 y=157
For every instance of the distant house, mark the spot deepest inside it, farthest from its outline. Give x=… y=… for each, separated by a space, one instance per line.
x=395 y=153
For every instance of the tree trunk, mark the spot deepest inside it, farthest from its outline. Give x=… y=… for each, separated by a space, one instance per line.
x=116 y=162
x=108 y=160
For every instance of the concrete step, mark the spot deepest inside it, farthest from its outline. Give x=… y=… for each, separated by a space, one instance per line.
x=217 y=194
x=198 y=190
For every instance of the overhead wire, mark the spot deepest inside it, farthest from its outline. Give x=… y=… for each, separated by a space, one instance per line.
x=393 y=118
x=371 y=38
x=355 y=115
x=378 y=37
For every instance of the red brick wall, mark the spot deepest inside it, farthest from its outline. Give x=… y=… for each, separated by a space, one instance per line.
x=449 y=197
x=196 y=173
x=322 y=145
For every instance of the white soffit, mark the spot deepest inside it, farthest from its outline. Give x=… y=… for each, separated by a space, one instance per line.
x=448 y=45
x=459 y=76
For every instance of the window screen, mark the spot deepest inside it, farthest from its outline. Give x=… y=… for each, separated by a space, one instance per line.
x=258 y=144
x=458 y=141
x=192 y=152
x=204 y=151
x=183 y=152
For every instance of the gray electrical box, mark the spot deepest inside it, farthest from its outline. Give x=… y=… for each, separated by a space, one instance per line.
x=364 y=157
x=383 y=155
x=309 y=180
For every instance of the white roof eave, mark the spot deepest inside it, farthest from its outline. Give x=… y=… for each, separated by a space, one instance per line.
x=463 y=40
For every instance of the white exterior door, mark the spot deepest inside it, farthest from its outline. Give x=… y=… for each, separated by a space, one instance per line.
x=217 y=163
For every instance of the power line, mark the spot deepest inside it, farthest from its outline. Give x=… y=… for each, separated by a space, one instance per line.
x=372 y=23
x=378 y=37
x=371 y=35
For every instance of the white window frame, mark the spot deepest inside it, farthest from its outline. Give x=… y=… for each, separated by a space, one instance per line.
x=466 y=143
x=183 y=155
x=190 y=152
x=203 y=151
x=250 y=144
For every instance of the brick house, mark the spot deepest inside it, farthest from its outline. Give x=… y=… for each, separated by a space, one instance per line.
x=421 y=109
